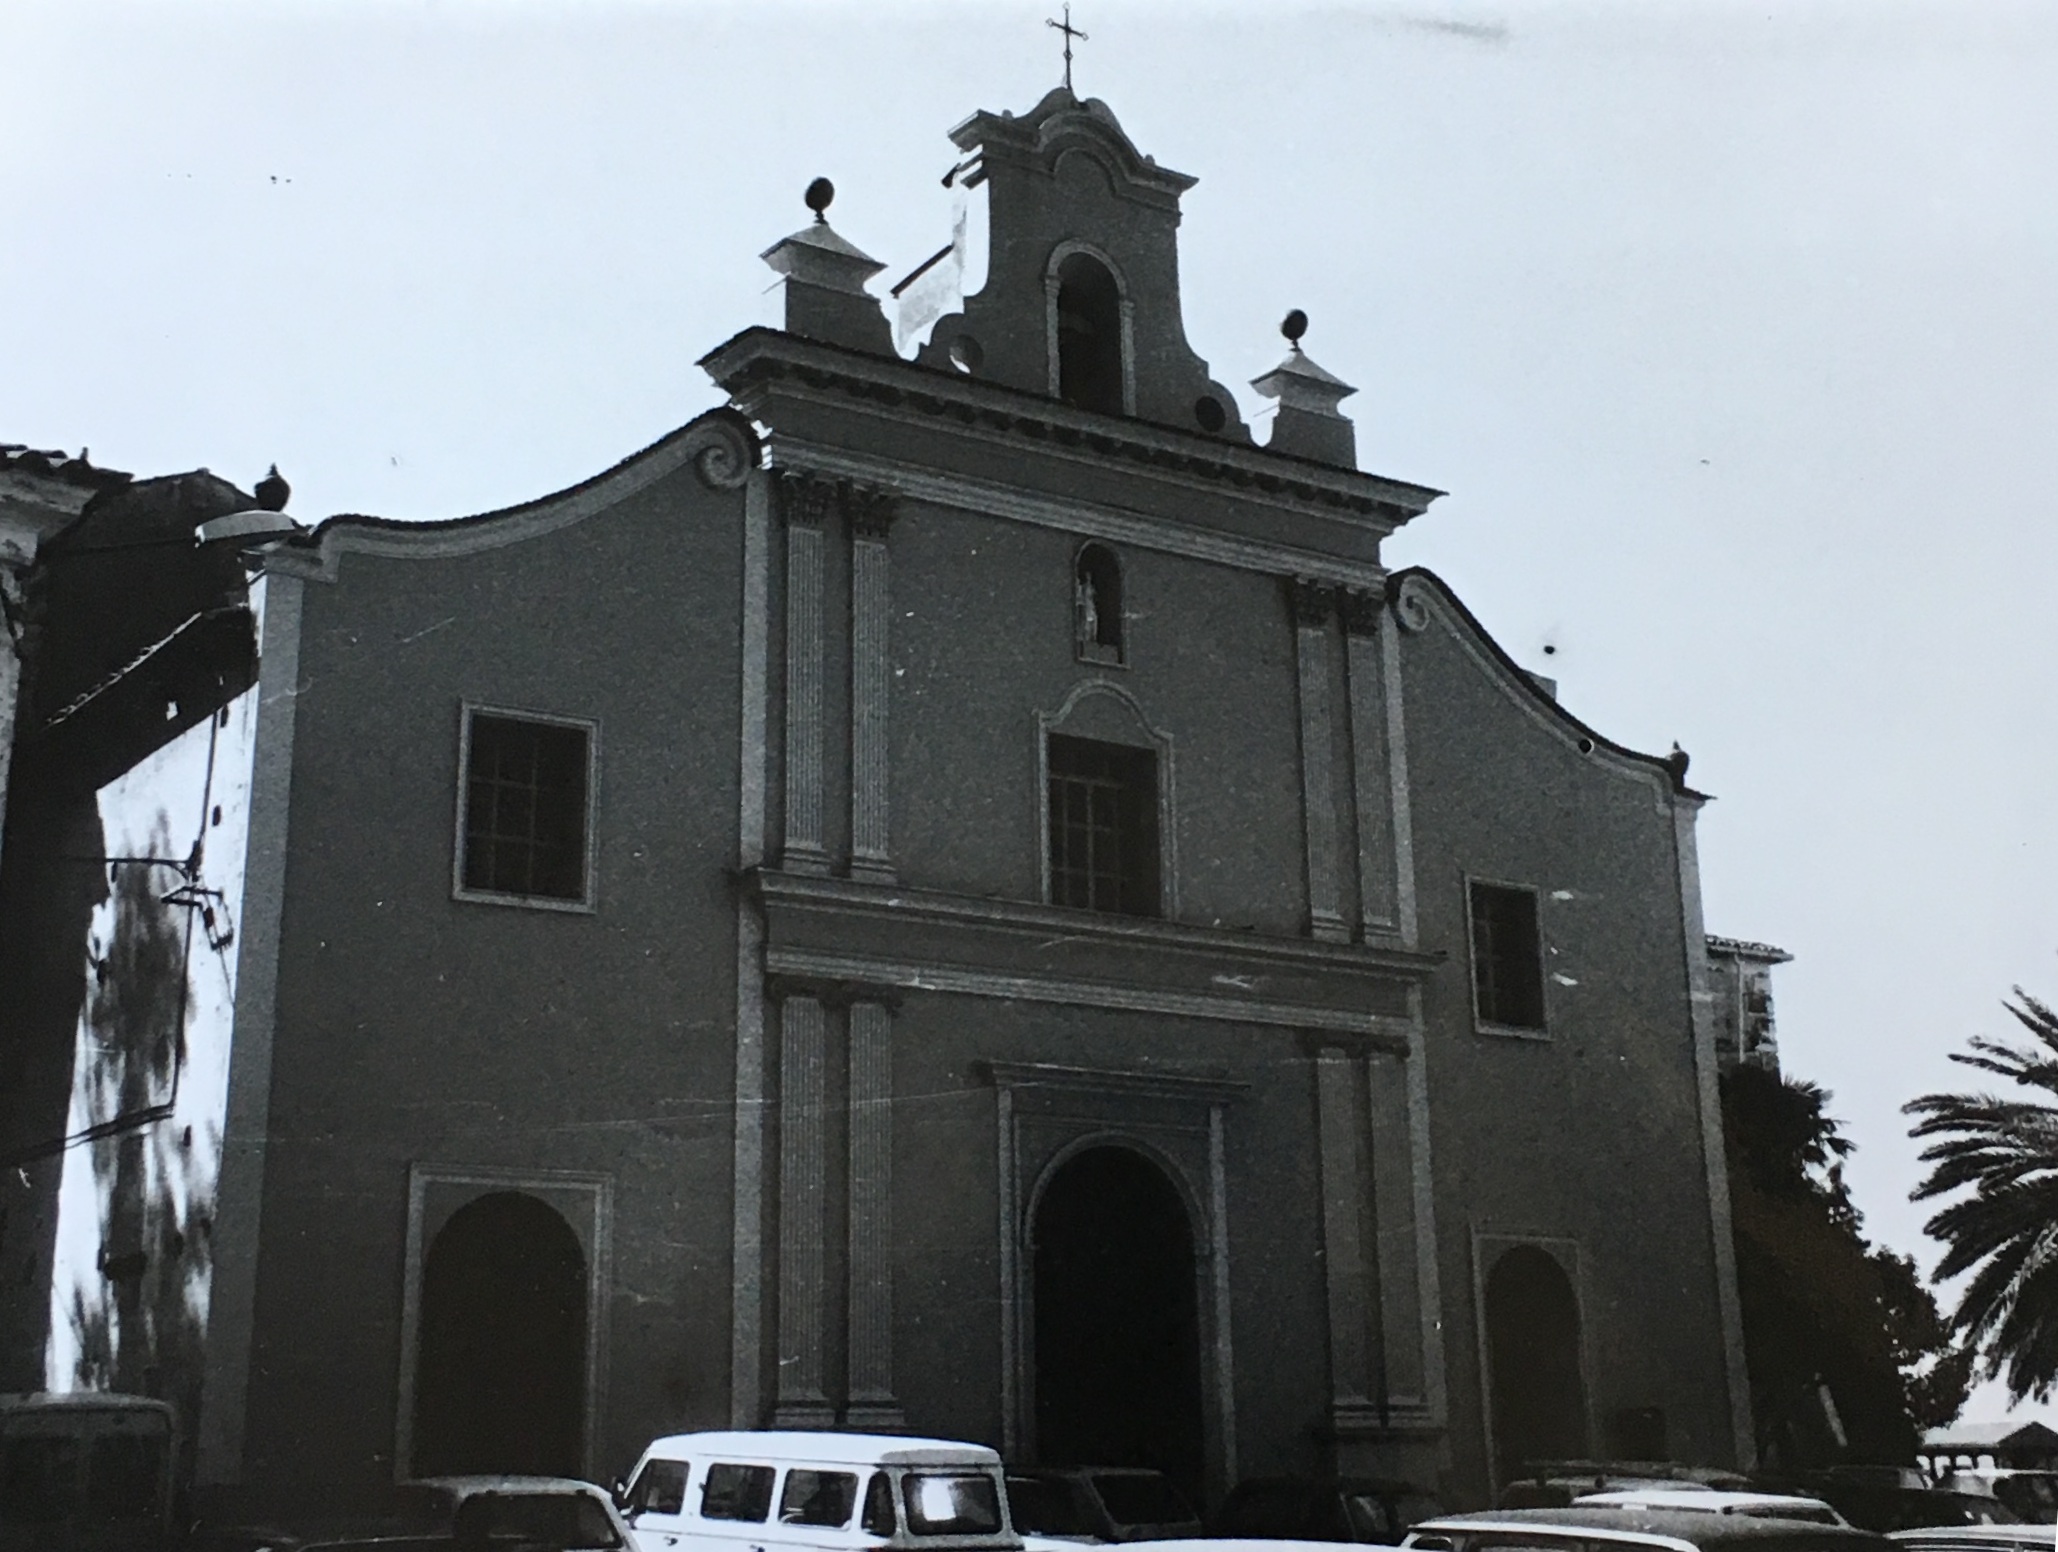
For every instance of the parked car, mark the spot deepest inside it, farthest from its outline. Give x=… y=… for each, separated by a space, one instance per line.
x=1702 y=1500
x=2031 y=1494
x=776 y=1490
x=2029 y=1536
x=1882 y=1508
x=1600 y=1528
x=1321 y=1509
x=1099 y=1503
x=85 y=1472
x=447 y=1514
x=1552 y=1484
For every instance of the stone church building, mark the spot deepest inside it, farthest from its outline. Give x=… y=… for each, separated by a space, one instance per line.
x=957 y=893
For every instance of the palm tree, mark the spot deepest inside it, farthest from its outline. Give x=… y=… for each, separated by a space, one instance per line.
x=2001 y=1154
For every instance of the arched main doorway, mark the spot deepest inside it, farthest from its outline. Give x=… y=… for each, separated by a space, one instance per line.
x=500 y=1378
x=1532 y=1343
x=1117 y=1325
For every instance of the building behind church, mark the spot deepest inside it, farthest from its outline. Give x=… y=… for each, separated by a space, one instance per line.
x=953 y=893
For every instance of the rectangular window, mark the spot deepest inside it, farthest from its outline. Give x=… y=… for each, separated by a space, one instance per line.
x=878 y=1517
x=734 y=1492
x=526 y=808
x=1507 y=957
x=818 y=1498
x=1103 y=826
x=954 y=1505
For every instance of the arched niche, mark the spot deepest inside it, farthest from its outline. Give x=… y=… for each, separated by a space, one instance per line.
x=1098 y=626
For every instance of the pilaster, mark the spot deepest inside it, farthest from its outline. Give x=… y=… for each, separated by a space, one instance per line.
x=872 y=1404
x=1371 y=782
x=1352 y=1354
x=871 y=515
x=808 y=502
x=802 y=1401
x=1312 y=605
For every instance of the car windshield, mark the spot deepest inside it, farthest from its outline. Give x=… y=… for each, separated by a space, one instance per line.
x=951 y=1505
x=1141 y=1499
x=1042 y=1507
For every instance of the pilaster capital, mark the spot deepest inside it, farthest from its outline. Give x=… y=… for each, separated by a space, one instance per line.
x=1312 y=603
x=807 y=499
x=871 y=511
x=830 y=993
x=1361 y=611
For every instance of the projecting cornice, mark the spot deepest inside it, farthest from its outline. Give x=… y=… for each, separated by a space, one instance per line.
x=831 y=930
x=758 y=365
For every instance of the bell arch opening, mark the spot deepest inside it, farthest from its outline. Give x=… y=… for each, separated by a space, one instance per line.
x=1089 y=335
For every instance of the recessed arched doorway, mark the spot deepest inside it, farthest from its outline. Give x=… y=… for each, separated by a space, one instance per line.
x=1538 y=1397
x=500 y=1377
x=1117 y=1320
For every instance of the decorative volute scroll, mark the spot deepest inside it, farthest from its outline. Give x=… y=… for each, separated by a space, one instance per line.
x=726 y=461
x=1411 y=605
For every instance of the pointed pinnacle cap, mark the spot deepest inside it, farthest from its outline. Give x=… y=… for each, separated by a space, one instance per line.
x=1297 y=383
x=816 y=255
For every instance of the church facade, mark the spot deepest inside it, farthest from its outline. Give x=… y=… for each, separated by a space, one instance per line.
x=956 y=893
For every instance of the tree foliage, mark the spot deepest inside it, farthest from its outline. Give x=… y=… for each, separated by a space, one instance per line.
x=1995 y=1157
x=1847 y=1353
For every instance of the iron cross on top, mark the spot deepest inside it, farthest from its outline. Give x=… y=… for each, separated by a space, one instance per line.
x=1070 y=33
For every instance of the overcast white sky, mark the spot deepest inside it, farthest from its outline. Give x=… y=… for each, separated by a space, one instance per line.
x=1730 y=328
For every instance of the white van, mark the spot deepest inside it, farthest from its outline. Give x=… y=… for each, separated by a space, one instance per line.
x=775 y=1491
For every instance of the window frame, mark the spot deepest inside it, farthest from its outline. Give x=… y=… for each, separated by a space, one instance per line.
x=1152 y=831
x=588 y=901
x=1480 y=1023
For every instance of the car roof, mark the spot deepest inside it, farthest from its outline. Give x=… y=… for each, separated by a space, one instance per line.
x=81 y=1401
x=843 y=1449
x=1336 y=1484
x=1700 y=1500
x=1230 y=1544
x=1980 y=1535
x=485 y=1483
x=1685 y=1528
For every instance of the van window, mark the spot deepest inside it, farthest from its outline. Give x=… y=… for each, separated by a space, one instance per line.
x=734 y=1492
x=123 y=1474
x=878 y=1520
x=817 y=1497
x=954 y=1505
x=38 y=1478
x=660 y=1488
